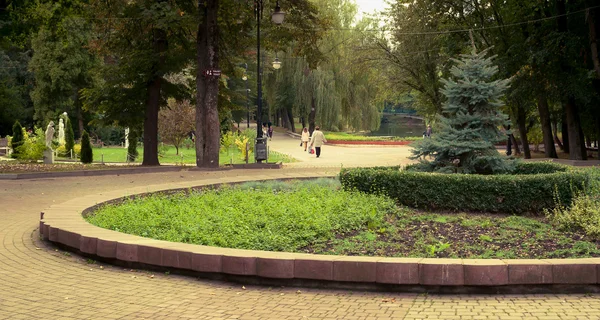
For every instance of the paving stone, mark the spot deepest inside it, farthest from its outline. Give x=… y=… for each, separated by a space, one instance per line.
x=37 y=281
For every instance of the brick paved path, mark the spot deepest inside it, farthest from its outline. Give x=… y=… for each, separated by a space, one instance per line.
x=38 y=282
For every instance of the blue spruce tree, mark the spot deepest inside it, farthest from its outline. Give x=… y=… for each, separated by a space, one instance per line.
x=470 y=123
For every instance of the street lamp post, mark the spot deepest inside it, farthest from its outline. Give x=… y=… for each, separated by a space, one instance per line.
x=277 y=18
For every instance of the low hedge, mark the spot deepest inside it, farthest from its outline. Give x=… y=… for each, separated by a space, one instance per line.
x=539 y=167
x=520 y=193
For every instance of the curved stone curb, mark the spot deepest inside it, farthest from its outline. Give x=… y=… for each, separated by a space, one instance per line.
x=64 y=224
x=89 y=173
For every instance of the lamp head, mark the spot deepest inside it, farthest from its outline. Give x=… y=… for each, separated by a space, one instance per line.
x=276 y=64
x=278 y=15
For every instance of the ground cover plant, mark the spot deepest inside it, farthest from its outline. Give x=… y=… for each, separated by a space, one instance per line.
x=263 y=216
x=320 y=217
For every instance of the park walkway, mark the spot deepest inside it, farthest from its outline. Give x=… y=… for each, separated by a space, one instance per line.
x=336 y=156
x=38 y=281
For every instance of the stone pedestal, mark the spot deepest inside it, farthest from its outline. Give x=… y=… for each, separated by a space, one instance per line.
x=48 y=156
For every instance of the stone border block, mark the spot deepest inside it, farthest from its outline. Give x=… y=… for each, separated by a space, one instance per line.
x=206 y=262
x=88 y=245
x=355 y=269
x=46 y=232
x=176 y=259
x=106 y=248
x=488 y=272
x=239 y=265
x=127 y=252
x=53 y=234
x=281 y=268
x=149 y=255
x=573 y=271
x=398 y=271
x=529 y=271
x=317 y=269
x=441 y=272
x=70 y=239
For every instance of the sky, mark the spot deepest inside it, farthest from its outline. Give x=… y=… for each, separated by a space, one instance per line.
x=368 y=6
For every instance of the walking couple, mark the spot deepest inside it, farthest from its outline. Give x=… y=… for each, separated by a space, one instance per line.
x=316 y=141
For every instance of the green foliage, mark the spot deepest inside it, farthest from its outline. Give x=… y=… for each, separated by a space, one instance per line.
x=582 y=214
x=69 y=135
x=33 y=146
x=539 y=167
x=261 y=219
x=467 y=130
x=530 y=193
x=87 y=156
x=17 y=138
x=61 y=151
x=62 y=62
x=132 y=152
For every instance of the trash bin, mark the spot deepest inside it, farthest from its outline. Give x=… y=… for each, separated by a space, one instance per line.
x=260 y=149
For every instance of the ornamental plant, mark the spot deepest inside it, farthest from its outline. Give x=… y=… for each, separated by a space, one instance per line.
x=132 y=152
x=17 y=138
x=468 y=127
x=86 y=148
x=69 y=136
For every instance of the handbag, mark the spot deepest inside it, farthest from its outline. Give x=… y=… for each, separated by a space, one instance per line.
x=312 y=150
x=301 y=143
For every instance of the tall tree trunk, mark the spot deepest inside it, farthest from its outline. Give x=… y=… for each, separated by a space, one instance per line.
x=290 y=115
x=555 y=134
x=207 y=87
x=576 y=143
x=549 y=149
x=312 y=116
x=284 y=118
x=153 y=99
x=515 y=144
x=521 y=119
x=565 y=130
x=591 y=16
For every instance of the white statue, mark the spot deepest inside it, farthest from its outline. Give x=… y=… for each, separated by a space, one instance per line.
x=61 y=132
x=49 y=134
x=126 y=138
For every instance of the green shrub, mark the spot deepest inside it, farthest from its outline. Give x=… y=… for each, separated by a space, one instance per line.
x=17 y=138
x=87 y=156
x=61 y=151
x=530 y=193
x=132 y=152
x=539 y=167
x=32 y=147
x=583 y=214
x=69 y=136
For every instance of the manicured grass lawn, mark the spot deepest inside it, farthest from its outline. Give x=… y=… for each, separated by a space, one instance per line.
x=318 y=217
x=187 y=156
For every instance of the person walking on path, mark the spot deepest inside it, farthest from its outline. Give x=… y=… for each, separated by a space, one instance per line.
x=304 y=139
x=317 y=140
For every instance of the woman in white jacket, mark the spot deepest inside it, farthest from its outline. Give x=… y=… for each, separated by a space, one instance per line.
x=317 y=140
x=305 y=137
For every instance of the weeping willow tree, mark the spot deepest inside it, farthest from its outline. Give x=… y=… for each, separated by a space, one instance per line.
x=340 y=93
